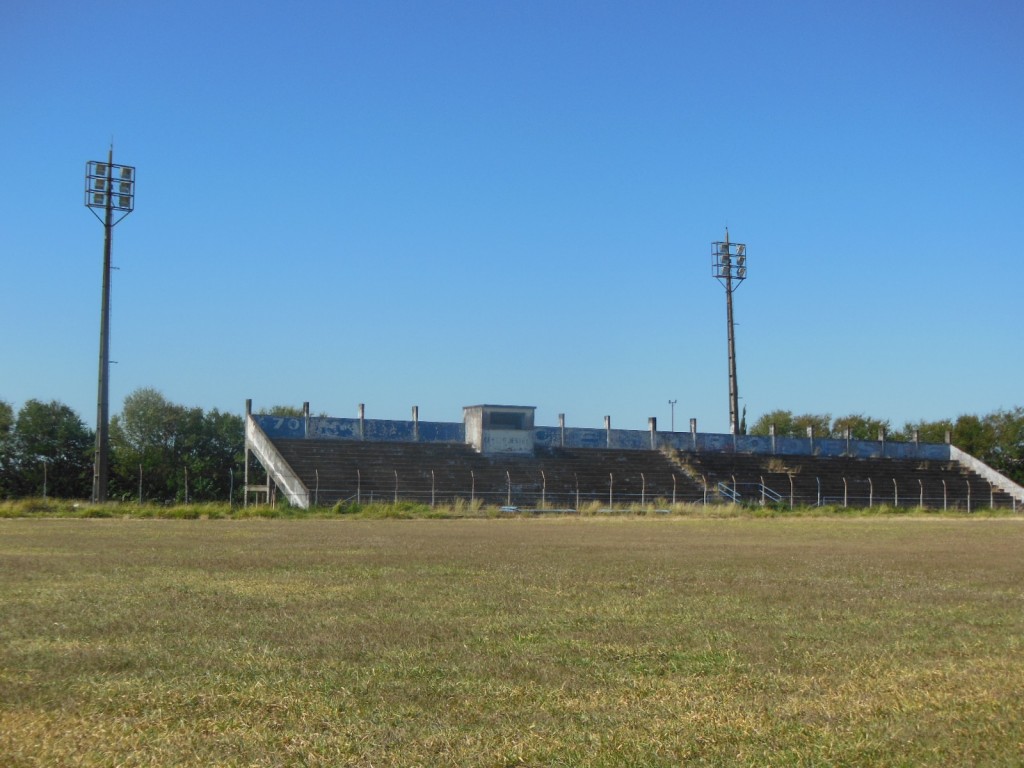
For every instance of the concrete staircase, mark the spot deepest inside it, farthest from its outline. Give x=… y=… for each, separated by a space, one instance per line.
x=813 y=480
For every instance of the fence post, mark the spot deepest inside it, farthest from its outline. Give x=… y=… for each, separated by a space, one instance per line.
x=611 y=484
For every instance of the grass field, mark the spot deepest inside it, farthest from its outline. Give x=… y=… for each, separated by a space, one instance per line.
x=570 y=642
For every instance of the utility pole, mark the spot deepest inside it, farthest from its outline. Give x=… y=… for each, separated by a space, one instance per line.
x=729 y=267
x=101 y=195
x=672 y=405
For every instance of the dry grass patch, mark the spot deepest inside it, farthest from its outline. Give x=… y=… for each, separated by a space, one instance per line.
x=586 y=641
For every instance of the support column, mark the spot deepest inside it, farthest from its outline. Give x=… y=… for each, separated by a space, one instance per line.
x=245 y=486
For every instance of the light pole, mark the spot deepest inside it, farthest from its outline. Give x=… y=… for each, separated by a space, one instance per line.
x=729 y=266
x=109 y=188
x=672 y=405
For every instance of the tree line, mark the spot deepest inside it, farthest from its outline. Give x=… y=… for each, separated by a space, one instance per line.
x=996 y=439
x=161 y=451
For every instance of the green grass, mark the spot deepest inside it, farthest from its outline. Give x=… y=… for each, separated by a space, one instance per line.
x=584 y=641
x=408 y=510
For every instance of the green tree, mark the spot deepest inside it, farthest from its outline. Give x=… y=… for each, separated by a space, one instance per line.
x=285 y=411
x=172 y=451
x=861 y=427
x=212 y=449
x=927 y=431
x=51 y=442
x=975 y=435
x=1007 y=452
x=6 y=449
x=142 y=440
x=789 y=425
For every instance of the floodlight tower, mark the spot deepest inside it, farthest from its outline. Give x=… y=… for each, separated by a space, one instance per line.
x=109 y=188
x=729 y=266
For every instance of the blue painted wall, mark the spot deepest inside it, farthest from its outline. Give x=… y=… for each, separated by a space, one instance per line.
x=384 y=430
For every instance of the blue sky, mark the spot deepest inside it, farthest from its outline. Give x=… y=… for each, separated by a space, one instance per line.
x=451 y=203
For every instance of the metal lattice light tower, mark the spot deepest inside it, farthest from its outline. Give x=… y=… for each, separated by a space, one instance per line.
x=729 y=266
x=109 y=188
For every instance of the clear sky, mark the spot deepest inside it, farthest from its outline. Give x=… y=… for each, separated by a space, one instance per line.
x=450 y=203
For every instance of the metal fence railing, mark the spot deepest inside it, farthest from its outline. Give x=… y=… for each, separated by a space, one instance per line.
x=632 y=491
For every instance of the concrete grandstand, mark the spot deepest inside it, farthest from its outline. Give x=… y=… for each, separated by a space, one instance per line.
x=497 y=456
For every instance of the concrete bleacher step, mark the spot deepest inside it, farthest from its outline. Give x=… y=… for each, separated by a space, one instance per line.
x=859 y=482
x=343 y=469
x=336 y=470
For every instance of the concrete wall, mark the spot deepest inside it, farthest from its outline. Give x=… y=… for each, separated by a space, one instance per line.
x=511 y=441
x=499 y=428
x=380 y=430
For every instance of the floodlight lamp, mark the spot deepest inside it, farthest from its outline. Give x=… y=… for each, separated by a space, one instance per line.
x=125 y=202
x=126 y=173
x=99 y=198
x=126 y=187
x=99 y=184
x=741 y=272
x=101 y=169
